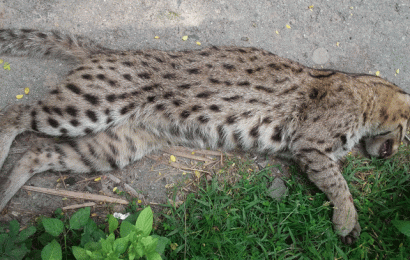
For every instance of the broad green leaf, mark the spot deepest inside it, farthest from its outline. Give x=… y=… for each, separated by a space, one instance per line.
x=126 y=228
x=52 y=251
x=403 y=226
x=162 y=243
x=139 y=250
x=92 y=246
x=80 y=253
x=53 y=226
x=24 y=234
x=153 y=256
x=144 y=221
x=14 y=227
x=112 y=223
x=107 y=244
x=3 y=239
x=149 y=243
x=120 y=245
x=80 y=218
x=18 y=253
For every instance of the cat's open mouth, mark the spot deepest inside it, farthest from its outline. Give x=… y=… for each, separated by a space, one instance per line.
x=386 y=149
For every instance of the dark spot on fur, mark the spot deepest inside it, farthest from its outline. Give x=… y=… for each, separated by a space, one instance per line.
x=184 y=86
x=87 y=76
x=328 y=149
x=344 y=139
x=177 y=102
x=88 y=131
x=47 y=110
x=92 y=99
x=215 y=108
x=229 y=66
x=228 y=83
x=254 y=132
x=127 y=77
x=111 y=97
x=214 y=81
x=167 y=95
x=204 y=53
x=72 y=111
x=193 y=71
x=196 y=108
x=253 y=100
x=185 y=114
x=277 y=134
x=53 y=123
x=243 y=83
x=64 y=132
x=91 y=115
x=160 y=107
x=58 y=111
x=314 y=93
x=55 y=91
x=292 y=89
x=205 y=94
x=275 y=66
x=127 y=63
x=203 y=119
x=267 y=120
x=151 y=99
x=233 y=98
x=144 y=75
x=73 y=88
x=268 y=90
x=169 y=76
x=231 y=119
x=246 y=114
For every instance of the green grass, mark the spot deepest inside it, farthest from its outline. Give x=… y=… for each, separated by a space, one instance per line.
x=234 y=218
x=240 y=221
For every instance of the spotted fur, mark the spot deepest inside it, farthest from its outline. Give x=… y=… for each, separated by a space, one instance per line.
x=118 y=106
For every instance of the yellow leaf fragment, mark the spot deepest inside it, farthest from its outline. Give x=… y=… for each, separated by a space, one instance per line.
x=185 y=37
x=337 y=44
x=139 y=201
x=173 y=246
x=115 y=188
x=197 y=174
x=6 y=66
x=193 y=153
x=97 y=179
x=377 y=73
x=288 y=26
x=26 y=90
x=64 y=199
x=277 y=32
x=397 y=71
x=198 y=43
x=1 y=61
x=351 y=7
x=310 y=7
x=19 y=96
x=183 y=173
x=172 y=158
x=94 y=215
x=159 y=173
x=156 y=37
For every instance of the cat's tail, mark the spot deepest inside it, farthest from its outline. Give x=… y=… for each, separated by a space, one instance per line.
x=34 y=43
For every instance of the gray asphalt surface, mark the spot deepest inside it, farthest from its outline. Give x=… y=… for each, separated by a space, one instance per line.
x=353 y=36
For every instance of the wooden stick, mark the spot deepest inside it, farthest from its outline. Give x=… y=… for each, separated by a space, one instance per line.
x=77 y=206
x=76 y=195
